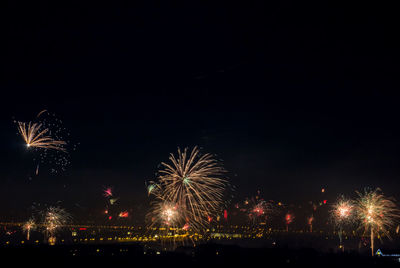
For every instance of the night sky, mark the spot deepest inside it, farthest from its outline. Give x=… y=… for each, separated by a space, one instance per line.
x=292 y=97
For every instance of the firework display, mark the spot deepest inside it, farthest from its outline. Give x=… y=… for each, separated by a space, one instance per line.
x=165 y=213
x=289 y=218
x=193 y=185
x=113 y=201
x=377 y=214
x=112 y=210
x=342 y=214
x=310 y=222
x=153 y=188
x=47 y=140
x=199 y=133
x=257 y=209
x=29 y=226
x=169 y=218
x=108 y=192
x=123 y=214
x=36 y=136
x=189 y=196
x=54 y=219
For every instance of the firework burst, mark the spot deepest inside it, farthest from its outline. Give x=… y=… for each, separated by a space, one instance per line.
x=113 y=201
x=289 y=218
x=47 y=138
x=169 y=217
x=36 y=136
x=111 y=208
x=257 y=209
x=28 y=226
x=123 y=214
x=260 y=210
x=377 y=214
x=54 y=218
x=310 y=221
x=193 y=183
x=164 y=213
x=108 y=192
x=153 y=189
x=342 y=214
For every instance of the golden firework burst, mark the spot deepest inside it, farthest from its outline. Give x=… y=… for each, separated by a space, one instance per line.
x=36 y=136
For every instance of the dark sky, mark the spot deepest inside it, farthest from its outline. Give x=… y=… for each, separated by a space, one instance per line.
x=293 y=97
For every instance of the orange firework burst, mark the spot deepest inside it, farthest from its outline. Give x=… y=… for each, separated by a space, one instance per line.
x=36 y=136
x=310 y=222
x=342 y=214
x=123 y=214
x=377 y=213
x=54 y=218
x=165 y=213
x=28 y=226
x=193 y=182
x=342 y=211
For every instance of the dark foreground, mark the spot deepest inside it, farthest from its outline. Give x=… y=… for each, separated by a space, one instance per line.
x=134 y=255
